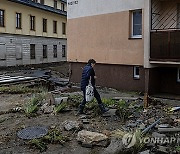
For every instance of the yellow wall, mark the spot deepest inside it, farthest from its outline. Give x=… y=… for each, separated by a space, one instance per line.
x=105 y=38
x=10 y=20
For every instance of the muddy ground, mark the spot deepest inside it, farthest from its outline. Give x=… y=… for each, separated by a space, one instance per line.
x=11 y=123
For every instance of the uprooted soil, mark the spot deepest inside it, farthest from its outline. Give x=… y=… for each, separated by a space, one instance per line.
x=12 y=121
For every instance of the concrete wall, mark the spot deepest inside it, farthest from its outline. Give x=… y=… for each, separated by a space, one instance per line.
x=17 y=50
x=114 y=76
x=102 y=30
x=84 y=8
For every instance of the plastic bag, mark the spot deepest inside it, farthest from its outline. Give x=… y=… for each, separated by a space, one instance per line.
x=89 y=92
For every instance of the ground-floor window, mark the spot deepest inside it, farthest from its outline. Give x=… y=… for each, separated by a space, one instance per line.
x=63 y=51
x=136 y=74
x=44 y=51
x=178 y=75
x=3 y=52
x=32 y=51
x=18 y=52
x=55 y=51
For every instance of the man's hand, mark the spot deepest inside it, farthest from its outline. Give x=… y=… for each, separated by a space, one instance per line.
x=95 y=77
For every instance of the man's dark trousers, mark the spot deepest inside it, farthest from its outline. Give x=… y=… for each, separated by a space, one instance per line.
x=96 y=95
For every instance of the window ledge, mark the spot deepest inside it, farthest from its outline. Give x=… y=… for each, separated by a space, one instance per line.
x=134 y=37
x=136 y=78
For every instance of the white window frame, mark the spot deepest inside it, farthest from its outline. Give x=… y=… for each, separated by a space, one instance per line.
x=178 y=74
x=132 y=25
x=135 y=75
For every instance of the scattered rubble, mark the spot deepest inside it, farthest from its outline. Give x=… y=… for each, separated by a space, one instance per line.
x=89 y=139
x=116 y=146
x=126 y=115
x=71 y=125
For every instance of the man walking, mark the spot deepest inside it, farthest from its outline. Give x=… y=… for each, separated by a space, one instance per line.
x=89 y=74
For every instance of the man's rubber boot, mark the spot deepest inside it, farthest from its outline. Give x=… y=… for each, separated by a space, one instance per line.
x=103 y=108
x=80 y=110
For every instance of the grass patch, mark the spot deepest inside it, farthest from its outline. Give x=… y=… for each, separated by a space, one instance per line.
x=109 y=102
x=33 y=104
x=54 y=136
x=60 y=107
x=39 y=144
x=19 y=89
x=123 y=110
x=177 y=148
x=75 y=100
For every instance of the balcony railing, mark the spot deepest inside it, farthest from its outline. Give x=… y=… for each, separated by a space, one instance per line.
x=165 y=30
x=165 y=45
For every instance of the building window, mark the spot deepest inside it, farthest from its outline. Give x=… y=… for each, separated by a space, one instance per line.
x=62 y=7
x=32 y=51
x=55 y=4
x=1 y=18
x=178 y=75
x=54 y=26
x=3 y=51
x=18 y=20
x=18 y=51
x=137 y=24
x=44 y=51
x=136 y=72
x=63 y=51
x=44 y=25
x=64 y=28
x=32 y=22
x=55 y=51
x=42 y=2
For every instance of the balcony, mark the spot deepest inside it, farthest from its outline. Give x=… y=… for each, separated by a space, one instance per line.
x=165 y=31
x=165 y=46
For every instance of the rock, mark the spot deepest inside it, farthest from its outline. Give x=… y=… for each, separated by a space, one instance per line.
x=49 y=109
x=115 y=147
x=60 y=100
x=70 y=125
x=169 y=130
x=162 y=149
x=177 y=120
x=92 y=138
x=44 y=106
x=132 y=124
x=107 y=133
x=110 y=113
x=173 y=117
x=167 y=120
x=85 y=121
x=151 y=120
x=158 y=135
x=163 y=126
x=142 y=126
x=145 y=152
x=50 y=99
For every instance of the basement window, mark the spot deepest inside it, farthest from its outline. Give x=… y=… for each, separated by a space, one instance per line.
x=178 y=75
x=136 y=72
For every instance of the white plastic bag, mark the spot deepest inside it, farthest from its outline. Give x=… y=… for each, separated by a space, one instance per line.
x=89 y=92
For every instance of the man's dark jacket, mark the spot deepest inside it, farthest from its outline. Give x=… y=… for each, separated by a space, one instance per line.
x=88 y=72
